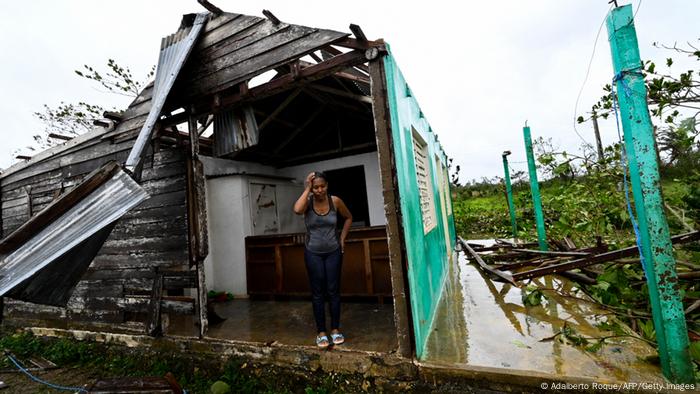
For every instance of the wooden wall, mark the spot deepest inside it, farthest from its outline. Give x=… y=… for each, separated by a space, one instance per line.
x=116 y=287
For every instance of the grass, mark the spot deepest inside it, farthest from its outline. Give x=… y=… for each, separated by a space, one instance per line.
x=83 y=362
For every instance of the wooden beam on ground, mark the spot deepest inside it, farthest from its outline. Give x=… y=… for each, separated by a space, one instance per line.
x=552 y=253
x=599 y=258
x=507 y=277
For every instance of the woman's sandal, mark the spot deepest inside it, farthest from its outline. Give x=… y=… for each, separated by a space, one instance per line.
x=322 y=341
x=338 y=338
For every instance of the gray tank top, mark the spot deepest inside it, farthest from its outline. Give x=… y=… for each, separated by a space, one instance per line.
x=321 y=234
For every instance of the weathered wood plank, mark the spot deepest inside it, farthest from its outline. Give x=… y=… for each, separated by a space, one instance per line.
x=259 y=63
x=60 y=206
x=155 y=214
x=145 y=94
x=225 y=32
x=245 y=49
x=232 y=47
x=387 y=171
x=153 y=319
x=158 y=242
x=139 y=304
x=102 y=289
x=219 y=20
x=99 y=152
x=132 y=125
x=163 y=227
x=135 y=111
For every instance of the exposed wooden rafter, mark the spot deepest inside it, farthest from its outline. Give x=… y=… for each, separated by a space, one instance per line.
x=341 y=93
x=279 y=109
x=352 y=43
x=299 y=129
x=210 y=7
x=357 y=31
x=335 y=52
x=269 y=15
x=305 y=76
x=348 y=150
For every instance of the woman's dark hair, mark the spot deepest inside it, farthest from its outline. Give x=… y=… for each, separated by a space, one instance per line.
x=321 y=175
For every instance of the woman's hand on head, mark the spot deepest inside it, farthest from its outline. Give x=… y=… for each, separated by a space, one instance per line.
x=309 y=180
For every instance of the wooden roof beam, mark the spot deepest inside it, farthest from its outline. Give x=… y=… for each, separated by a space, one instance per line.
x=352 y=43
x=336 y=52
x=341 y=93
x=269 y=15
x=211 y=7
x=299 y=129
x=305 y=76
x=323 y=98
x=279 y=109
x=341 y=74
x=60 y=137
x=357 y=31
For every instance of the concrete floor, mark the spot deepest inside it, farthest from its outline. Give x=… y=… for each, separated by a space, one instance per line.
x=366 y=326
x=484 y=323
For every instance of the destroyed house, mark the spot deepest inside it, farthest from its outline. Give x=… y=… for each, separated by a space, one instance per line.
x=126 y=228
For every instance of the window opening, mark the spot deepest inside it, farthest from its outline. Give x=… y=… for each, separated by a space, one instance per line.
x=425 y=192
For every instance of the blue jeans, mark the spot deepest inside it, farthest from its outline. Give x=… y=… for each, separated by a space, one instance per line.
x=324 y=278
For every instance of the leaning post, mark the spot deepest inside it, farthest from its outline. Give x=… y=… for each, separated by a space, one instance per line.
x=509 y=194
x=535 y=189
x=657 y=250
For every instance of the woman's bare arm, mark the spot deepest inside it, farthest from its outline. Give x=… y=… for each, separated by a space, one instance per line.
x=303 y=201
x=345 y=213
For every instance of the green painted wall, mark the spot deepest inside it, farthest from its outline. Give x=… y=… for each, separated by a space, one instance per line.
x=428 y=254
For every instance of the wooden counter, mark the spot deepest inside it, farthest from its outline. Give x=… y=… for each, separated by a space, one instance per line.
x=275 y=264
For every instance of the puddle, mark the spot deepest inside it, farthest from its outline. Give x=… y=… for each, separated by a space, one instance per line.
x=484 y=323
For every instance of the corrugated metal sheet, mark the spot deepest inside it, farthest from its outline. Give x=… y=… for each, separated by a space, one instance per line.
x=88 y=217
x=234 y=131
x=174 y=51
x=54 y=284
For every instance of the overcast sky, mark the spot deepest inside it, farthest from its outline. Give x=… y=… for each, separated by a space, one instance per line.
x=478 y=69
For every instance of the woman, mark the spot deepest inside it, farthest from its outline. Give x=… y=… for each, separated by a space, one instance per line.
x=323 y=252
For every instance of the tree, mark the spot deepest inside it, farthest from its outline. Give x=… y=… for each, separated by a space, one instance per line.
x=674 y=101
x=69 y=120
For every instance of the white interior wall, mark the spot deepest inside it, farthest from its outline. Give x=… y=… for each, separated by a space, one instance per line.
x=229 y=209
x=228 y=219
x=370 y=162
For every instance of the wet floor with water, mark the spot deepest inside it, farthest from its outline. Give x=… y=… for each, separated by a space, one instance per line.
x=484 y=323
x=367 y=326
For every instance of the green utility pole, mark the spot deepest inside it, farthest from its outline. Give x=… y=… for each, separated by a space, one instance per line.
x=535 y=189
x=657 y=250
x=509 y=194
